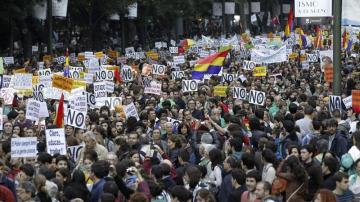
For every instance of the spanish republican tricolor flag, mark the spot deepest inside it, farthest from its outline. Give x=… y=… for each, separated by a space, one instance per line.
x=59 y=118
x=211 y=64
x=187 y=43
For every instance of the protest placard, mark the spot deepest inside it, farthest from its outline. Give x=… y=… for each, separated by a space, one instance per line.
x=8 y=60
x=21 y=81
x=100 y=89
x=24 y=147
x=44 y=112
x=177 y=75
x=348 y=102
x=54 y=93
x=189 y=86
x=78 y=101
x=7 y=94
x=130 y=110
x=6 y=80
x=239 y=93
x=74 y=151
x=153 y=88
x=75 y=118
x=229 y=77
x=62 y=82
x=334 y=102
x=44 y=72
x=260 y=71
x=158 y=69
x=248 y=65
x=126 y=73
x=33 y=110
x=257 y=97
x=111 y=102
x=179 y=59
x=110 y=86
x=220 y=91
x=355 y=100
x=173 y=50
x=104 y=75
x=268 y=56
x=55 y=141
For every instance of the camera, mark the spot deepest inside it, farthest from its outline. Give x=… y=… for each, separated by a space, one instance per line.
x=130 y=171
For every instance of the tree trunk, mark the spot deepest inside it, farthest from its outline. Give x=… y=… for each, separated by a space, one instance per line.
x=11 y=38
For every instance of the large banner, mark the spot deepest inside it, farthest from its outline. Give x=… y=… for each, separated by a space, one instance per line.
x=350 y=12
x=267 y=55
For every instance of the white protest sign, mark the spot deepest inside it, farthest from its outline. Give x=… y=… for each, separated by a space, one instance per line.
x=249 y=65
x=109 y=86
x=104 y=75
x=100 y=89
x=179 y=59
x=312 y=58
x=55 y=141
x=90 y=99
x=60 y=60
x=268 y=56
x=130 y=110
x=74 y=151
x=305 y=65
x=129 y=50
x=229 y=77
x=348 y=102
x=89 y=78
x=6 y=80
x=7 y=94
x=1 y=118
x=37 y=92
x=21 y=81
x=24 y=147
x=44 y=72
x=189 y=86
x=75 y=118
x=111 y=102
x=239 y=93
x=78 y=102
x=8 y=60
x=153 y=88
x=59 y=8
x=257 y=97
x=174 y=50
x=80 y=69
x=33 y=110
x=46 y=81
x=158 y=45
x=334 y=102
x=44 y=112
x=158 y=69
x=55 y=93
x=313 y=8
x=126 y=74
x=177 y=75
x=74 y=74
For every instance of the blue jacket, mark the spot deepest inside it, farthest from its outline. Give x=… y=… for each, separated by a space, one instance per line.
x=339 y=145
x=97 y=190
x=225 y=188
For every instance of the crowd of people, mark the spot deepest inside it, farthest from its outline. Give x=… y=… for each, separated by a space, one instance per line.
x=293 y=148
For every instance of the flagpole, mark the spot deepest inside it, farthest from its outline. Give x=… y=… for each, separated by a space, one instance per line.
x=337 y=47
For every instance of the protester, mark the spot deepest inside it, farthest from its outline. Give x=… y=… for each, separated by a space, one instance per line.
x=214 y=120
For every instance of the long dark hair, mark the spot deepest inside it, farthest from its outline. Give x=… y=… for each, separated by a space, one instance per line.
x=215 y=157
x=296 y=168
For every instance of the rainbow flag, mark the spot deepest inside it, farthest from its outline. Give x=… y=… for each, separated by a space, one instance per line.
x=290 y=23
x=211 y=64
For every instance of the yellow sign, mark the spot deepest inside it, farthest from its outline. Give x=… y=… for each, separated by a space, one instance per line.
x=62 y=82
x=35 y=80
x=259 y=71
x=99 y=55
x=152 y=55
x=78 y=84
x=220 y=91
x=47 y=58
x=293 y=55
x=112 y=54
x=113 y=68
x=22 y=70
x=24 y=92
x=81 y=58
